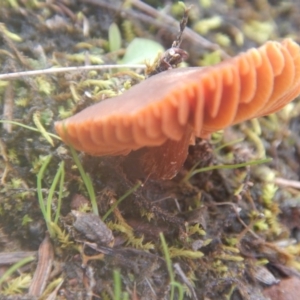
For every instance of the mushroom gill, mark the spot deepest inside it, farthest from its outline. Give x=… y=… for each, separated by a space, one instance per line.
x=162 y=114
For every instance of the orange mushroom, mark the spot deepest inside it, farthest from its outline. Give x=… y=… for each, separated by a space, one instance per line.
x=162 y=115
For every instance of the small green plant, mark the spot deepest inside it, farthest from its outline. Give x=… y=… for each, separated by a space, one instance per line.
x=173 y=283
x=87 y=181
x=132 y=190
x=30 y=128
x=118 y=295
x=46 y=209
x=20 y=283
x=41 y=129
x=17 y=285
x=114 y=37
x=195 y=171
x=234 y=142
x=121 y=226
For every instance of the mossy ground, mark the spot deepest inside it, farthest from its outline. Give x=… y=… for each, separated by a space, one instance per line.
x=228 y=230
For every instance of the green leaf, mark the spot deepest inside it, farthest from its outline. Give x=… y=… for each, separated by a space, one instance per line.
x=114 y=37
x=141 y=50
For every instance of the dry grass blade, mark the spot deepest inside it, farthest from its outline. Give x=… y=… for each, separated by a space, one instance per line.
x=43 y=269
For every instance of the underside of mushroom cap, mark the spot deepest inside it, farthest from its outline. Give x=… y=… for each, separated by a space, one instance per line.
x=255 y=83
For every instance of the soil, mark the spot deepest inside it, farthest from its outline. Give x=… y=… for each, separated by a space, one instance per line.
x=229 y=233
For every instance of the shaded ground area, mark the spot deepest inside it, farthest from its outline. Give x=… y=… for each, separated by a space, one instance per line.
x=230 y=233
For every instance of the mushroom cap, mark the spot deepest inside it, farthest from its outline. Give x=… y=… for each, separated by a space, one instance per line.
x=254 y=83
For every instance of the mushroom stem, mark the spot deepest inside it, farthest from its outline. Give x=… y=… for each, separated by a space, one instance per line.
x=160 y=162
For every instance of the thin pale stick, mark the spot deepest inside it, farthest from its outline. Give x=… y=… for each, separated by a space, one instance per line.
x=287 y=183
x=67 y=69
